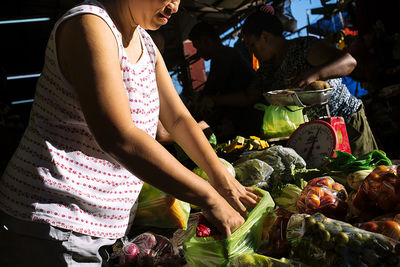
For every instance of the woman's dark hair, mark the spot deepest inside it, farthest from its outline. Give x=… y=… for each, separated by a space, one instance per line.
x=259 y=22
x=203 y=29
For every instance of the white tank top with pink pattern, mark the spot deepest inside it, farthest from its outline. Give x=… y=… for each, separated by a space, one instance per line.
x=59 y=174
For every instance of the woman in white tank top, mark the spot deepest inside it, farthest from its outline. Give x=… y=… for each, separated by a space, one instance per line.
x=71 y=186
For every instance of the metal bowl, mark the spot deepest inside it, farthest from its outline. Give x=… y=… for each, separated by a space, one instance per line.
x=298 y=97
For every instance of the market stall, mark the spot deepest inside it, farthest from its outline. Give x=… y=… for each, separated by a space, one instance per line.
x=343 y=213
x=319 y=204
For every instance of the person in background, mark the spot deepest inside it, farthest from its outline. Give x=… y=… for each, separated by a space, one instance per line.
x=299 y=62
x=163 y=136
x=229 y=73
x=72 y=185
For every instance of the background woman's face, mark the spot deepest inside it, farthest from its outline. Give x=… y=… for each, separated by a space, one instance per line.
x=152 y=14
x=259 y=47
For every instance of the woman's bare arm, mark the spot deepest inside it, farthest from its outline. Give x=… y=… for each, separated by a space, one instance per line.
x=88 y=57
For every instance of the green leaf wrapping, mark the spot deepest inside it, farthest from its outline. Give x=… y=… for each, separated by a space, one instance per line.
x=206 y=251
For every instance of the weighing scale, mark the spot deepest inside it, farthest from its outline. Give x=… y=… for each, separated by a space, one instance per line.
x=314 y=140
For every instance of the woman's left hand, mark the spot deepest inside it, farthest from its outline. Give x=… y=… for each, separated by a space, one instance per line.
x=236 y=194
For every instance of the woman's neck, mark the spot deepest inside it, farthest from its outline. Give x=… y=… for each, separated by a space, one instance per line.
x=120 y=14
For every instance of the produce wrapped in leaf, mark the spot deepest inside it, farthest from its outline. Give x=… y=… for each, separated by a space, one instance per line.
x=253 y=172
x=318 y=240
x=207 y=251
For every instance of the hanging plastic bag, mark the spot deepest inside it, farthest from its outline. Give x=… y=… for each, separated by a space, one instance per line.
x=207 y=251
x=279 y=121
x=159 y=209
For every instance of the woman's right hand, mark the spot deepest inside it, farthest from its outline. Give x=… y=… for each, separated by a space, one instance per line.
x=223 y=217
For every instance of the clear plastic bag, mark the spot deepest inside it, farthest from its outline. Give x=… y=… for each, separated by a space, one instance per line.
x=385 y=225
x=323 y=195
x=159 y=209
x=379 y=193
x=253 y=172
x=257 y=260
x=279 y=121
x=149 y=249
x=207 y=251
x=318 y=240
x=274 y=232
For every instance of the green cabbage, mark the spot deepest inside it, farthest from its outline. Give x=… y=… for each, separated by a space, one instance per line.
x=288 y=198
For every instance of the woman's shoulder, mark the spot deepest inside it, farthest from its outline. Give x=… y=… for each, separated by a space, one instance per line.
x=303 y=42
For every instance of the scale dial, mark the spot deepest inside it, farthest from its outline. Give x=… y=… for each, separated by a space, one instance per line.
x=314 y=141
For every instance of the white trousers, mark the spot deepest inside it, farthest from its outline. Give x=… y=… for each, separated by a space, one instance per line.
x=25 y=243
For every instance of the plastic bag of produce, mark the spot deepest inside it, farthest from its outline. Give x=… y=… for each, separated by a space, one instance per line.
x=257 y=260
x=149 y=249
x=159 y=209
x=317 y=240
x=279 y=121
x=253 y=172
x=204 y=175
x=323 y=195
x=379 y=193
x=286 y=164
x=385 y=225
x=207 y=251
x=274 y=232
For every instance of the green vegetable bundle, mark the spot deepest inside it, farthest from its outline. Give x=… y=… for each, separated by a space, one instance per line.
x=348 y=163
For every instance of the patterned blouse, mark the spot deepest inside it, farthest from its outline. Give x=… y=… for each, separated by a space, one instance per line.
x=341 y=103
x=59 y=174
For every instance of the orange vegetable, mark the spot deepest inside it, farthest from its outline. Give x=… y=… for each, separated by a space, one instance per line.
x=312 y=201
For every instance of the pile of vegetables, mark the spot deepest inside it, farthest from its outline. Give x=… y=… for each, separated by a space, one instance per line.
x=323 y=216
x=318 y=240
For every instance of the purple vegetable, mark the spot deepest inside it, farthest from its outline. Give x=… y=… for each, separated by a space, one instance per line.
x=145 y=241
x=131 y=251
